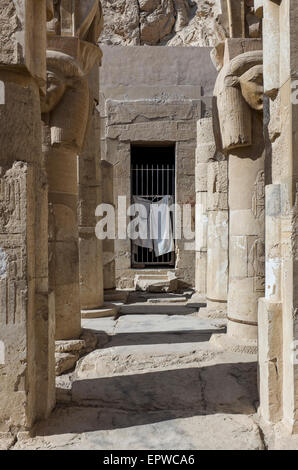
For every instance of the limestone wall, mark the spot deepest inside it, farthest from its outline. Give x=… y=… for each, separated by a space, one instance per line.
x=153 y=95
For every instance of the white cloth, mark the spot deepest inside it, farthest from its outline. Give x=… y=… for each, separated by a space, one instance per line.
x=161 y=226
x=144 y=239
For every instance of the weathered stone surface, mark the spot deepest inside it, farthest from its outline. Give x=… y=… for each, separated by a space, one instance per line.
x=90 y=340
x=157 y=73
x=178 y=22
x=69 y=346
x=65 y=362
x=99 y=313
x=166 y=282
x=133 y=431
x=270 y=360
x=67 y=109
x=171 y=22
x=239 y=89
x=26 y=321
x=137 y=384
x=23 y=37
x=217 y=256
x=89 y=195
x=279 y=383
x=68 y=352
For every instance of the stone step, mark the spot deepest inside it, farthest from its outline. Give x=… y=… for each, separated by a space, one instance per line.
x=153 y=277
x=156 y=282
x=156 y=309
x=100 y=312
x=167 y=300
x=116 y=305
x=115 y=296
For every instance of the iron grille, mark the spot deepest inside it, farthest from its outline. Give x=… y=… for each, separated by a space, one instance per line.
x=152 y=181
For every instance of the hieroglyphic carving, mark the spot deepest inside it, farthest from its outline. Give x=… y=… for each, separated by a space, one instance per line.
x=10 y=208
x=14 y=203
x=256 y=264
x=13 y=290
x=258 y=197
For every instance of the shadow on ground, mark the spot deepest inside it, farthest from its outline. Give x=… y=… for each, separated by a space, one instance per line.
x=110 y=403
x=168 y=337
x=157 y=309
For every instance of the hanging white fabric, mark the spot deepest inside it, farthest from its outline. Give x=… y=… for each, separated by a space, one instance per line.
x=161 y=231
x=144 y=239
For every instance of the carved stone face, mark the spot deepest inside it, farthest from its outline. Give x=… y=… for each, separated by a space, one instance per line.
x=251 y=83
x=56 y=86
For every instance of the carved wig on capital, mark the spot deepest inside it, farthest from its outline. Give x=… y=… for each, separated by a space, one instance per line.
x=239 y=89
x=71 y=54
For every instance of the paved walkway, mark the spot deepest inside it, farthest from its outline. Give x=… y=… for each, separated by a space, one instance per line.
x=155 y=383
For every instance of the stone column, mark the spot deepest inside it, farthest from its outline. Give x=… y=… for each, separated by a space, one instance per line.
x=217 y=237
x=239 y=18
x=270 y=311
x=278 y=322
x=90 y=248
x=205 y=151
x=239 y=94
x=64 y=134
x=27 y=387
x=211 y=220
x=246 y=241
x=71 y=55
x=108 y=246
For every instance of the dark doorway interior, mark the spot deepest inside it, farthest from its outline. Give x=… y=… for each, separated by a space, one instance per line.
x=152 y=177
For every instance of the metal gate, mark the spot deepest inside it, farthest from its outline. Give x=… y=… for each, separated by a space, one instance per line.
x=152 y=179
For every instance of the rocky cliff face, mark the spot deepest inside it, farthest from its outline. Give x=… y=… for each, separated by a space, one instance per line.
x=163 y=22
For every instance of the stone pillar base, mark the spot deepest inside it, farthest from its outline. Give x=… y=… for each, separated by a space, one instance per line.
x=229 y=343
x=217 y=309
x=242 y=330
x=107 y=311
x=270 y=363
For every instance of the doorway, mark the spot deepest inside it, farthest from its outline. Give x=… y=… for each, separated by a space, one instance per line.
x=152 y=178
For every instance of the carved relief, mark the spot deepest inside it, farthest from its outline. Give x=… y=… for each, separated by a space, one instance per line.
x=71 y=54
x=14 y=207
x=256 y=264
x=258 y=197
x=13 y=289
x=239 y=96
x=10 y=213
x=239 y=92
x=13 y=185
